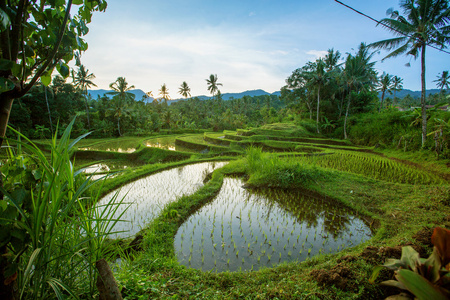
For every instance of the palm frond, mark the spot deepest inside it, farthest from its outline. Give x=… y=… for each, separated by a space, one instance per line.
x=398 y=26
x=399 y=51
x=388 y=44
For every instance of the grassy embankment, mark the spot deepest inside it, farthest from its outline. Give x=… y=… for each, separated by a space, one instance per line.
x=404 y=195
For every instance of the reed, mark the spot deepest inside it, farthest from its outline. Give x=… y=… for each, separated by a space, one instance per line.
x=64 y=233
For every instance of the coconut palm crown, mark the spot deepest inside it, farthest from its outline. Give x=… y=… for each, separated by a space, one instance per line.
x=185 y=90
x=443 y=81
x=424 y=23
x=83 y=80
x=213 y=85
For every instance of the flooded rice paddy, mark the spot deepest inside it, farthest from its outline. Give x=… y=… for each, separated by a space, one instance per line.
x=247 y=230
x=120 y=150
x=107 y=168
x=124 y=145
x=147 y=196
x=167 y=143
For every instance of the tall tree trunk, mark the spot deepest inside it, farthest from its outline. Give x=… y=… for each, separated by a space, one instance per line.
x=341 y=107
x=106 y=284
x=382 y=99
x=346 y=113
x=422 y=100
x=118 y=126
x=6 y=101
x=318 y=109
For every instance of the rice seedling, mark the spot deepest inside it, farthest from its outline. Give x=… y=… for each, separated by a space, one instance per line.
x=150 y=194
x=247 y=212
x=376 y=167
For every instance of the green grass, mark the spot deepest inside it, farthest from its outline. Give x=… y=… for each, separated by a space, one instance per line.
x=375 y=186
x=53 y=232
x=375 y=167
x=399 y=210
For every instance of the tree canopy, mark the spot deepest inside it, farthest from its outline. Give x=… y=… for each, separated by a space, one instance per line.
x=36 y=38
x=423 y=23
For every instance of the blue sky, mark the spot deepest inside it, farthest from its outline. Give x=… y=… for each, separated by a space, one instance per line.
x=249 y=44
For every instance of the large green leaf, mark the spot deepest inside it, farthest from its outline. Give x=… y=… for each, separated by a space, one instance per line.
x=17 y=70
x=419 y=286
x=5 y=85
x=441 y=240
x=63 y=69
x=46 y=79
x=6 y=64
x=410 y=257
x=394 y=283
x=375 y=273
x=433 y=266
x=19 y=195
x=4 y=19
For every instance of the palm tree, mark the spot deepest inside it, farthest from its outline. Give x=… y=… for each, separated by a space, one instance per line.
x=122 y=90
x=424 y=24
x=164 y=92
x=147 y=95
x=185 y=90
x=213 y=84
x=443 y=81
x=358 y=75
x=331 y=59
x=385 y=84
x=318 y=77
x=83 y=81
x=397 y=84
x=121 y=96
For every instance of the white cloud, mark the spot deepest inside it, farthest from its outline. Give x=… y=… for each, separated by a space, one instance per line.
x=148 y=58
x=317 y=53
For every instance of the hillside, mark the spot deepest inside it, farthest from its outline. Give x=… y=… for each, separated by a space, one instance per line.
x=226 y=96
x=252 y=93
x=100 y=93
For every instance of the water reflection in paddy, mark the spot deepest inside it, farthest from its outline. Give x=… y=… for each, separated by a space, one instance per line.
x=147 y=196
x=162 y=143
x=167 y=143
x=246 y=230
x=120 y=150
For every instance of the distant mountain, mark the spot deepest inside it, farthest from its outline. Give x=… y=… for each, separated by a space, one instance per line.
x=227 y=96
x=414 y=94
x=100 y=93
x=252 y=93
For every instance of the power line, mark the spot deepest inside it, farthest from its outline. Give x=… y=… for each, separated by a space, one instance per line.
x=387 y=26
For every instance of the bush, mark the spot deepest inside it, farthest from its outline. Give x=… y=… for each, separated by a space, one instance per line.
x=267 y=169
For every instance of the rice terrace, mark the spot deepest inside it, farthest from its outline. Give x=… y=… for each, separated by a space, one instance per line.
x=335 y=186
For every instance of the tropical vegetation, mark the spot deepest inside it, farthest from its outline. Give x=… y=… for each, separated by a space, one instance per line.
x=321 y=191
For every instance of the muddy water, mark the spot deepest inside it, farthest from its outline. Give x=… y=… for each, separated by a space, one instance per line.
x=147 y=196
x=247 y=230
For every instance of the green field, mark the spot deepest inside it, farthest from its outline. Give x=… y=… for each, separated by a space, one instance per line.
x=400 y=198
